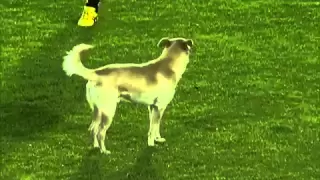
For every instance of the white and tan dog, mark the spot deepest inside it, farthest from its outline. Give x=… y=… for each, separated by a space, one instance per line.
x=152 y=83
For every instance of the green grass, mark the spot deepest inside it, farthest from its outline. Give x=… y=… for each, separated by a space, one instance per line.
x=247 y=107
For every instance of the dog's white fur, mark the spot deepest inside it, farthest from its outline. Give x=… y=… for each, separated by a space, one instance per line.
x=103 y=89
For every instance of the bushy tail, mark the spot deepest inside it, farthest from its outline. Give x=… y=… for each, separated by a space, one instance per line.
x=72 y=63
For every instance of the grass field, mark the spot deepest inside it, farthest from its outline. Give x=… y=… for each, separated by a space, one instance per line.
x=247 y=107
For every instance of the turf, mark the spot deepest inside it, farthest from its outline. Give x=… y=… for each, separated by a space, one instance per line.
x=247 y=107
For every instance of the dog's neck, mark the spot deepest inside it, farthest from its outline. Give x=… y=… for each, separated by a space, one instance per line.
x=178 y=64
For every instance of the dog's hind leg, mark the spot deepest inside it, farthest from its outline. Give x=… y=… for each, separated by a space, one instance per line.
x=96 y=118
x=107 y=113
x=89 y=89
x=94 y=126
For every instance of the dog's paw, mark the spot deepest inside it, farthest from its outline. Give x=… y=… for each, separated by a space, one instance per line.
x=160 y=139
x=150 y=142
x=96 y=145
x=107 y=152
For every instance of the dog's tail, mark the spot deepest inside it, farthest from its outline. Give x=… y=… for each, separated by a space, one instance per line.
x=72 y=63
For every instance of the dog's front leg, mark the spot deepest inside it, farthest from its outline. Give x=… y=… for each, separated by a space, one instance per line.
x=158 y=137
x=155 y=115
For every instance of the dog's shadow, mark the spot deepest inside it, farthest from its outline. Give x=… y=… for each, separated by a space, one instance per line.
x=143 y=169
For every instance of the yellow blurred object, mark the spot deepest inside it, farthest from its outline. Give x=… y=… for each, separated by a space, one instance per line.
x=88 y=17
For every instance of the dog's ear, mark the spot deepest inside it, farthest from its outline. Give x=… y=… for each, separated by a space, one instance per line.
x=189 y=42
x=164 y=42
x=186 y=44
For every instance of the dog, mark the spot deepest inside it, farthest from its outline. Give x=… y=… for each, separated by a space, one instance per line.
x=152 y=83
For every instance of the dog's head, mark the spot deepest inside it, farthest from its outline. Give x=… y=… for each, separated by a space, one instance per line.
x=175 y=46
